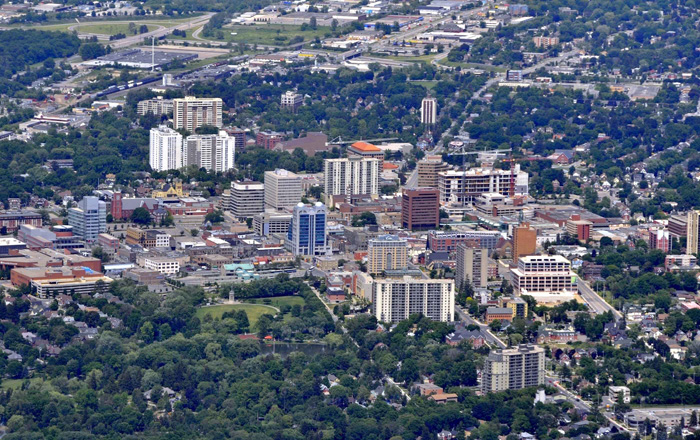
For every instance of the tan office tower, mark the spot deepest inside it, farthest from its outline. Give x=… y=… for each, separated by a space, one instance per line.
x=472 y=266
x=386 y=252
x=282 y=189
x=513 y=369
x=524 y=241
x=693 y=232
x=190 y=113
x=428 y=169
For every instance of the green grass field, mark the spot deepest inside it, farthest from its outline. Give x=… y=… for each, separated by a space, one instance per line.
x=272 y=34
x=254 y=311
x=487 y=68
x=278 y=301
x=16 y=384
x=112 y=28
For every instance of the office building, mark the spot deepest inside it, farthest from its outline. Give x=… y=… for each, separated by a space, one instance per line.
x=394 y=300
x=268 y=223
x=238 y=136
x=447 y=241
x=165 y=151
x=157 y=106
x=89 y=219
x=351 y=176
x=660 y=239
x=147 y=238
x=547 y=278
x=291 y=100
x=366 y=150
x=163 y=265
x=386 y=252
x=268 y=139
x=190 y=113
x=420 y=208
x=514 y=75
x=693 y=232
x=524 y=240
x=428 y=169
x=578 y=228
x=428 y=111
x=619 y=394
x=463 y=187
x=213 y=152
x=472 y=266
x=49 y=282
x=678 y=226
x=307 y=232
x=245 y=199
x=282 y=189
x=513 y=369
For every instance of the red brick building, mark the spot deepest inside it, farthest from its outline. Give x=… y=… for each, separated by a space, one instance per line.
x=268 y=139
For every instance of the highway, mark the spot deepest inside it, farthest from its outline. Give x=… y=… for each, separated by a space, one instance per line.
x=594 y=301
x=160 y=32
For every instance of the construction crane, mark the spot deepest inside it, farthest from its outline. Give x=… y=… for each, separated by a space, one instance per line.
x=511 y=191
x=339 y=140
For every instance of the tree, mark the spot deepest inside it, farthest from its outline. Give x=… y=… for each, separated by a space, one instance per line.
x=98 y=252
x=215 y=217
x=141 y=216
x=495 y=325
x=366 y=218
x=312 y=23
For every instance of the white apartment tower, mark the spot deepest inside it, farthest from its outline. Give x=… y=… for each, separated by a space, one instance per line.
x=513 y=369
x=282 y=189
x=189 y=113
x=386 y=252
x=214 y=152
x=165 y=151
x=351 y=176
x=463 y=187
x=394 y=300
x=157 y=106
x=428 y=111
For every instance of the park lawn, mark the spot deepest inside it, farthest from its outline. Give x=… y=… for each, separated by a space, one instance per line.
x=265 y=34
x=254 y=311
x=429 y=85
x=16 y=384
x=278 y=301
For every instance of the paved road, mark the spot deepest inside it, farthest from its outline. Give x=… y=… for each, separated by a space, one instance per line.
x=136 y=39
x=594 y=301
x=490 y=337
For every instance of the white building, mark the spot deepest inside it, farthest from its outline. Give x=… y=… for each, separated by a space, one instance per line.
x=157 y=106
x=513 y=369
x=282 y=189
x=471 y=266
x=428 y=111
x=547 y=278
x=165 y=151
x=617 y=393
x=245 y=199
x=189 y=113
x=351 y=176
x=461 y=187
x=267 y=223
x=214 y=152
x=89 y=219
x=164 y=265
x=291 y=100
x=394 y=300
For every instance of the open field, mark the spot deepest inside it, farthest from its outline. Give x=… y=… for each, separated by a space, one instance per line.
x=254 y=311
x=265 y=34
x=116 y=23
x=278 y=301
x=112 y=28
x=487 y=68
x=16 y=384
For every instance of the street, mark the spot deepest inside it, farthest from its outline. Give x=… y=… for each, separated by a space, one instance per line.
x=594 y=301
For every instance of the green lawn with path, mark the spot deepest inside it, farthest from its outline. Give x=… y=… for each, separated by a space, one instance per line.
x=278 y=301
x=254 y=311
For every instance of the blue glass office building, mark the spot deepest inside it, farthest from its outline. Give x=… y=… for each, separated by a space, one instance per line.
x=307 y=232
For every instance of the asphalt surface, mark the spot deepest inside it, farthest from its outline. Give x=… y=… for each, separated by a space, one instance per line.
x=485 y=330
x=594 y=301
